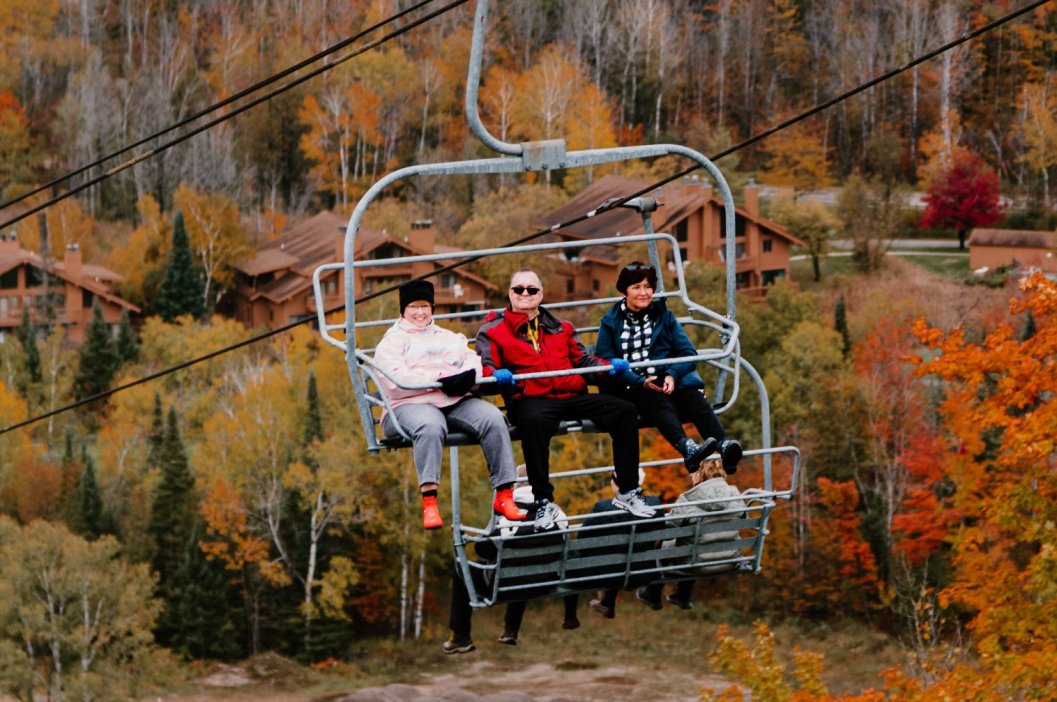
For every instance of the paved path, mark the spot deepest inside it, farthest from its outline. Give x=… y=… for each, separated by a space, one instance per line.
x=903 y=244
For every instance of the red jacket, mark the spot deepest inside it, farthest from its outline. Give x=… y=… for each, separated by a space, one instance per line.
x=503 y=343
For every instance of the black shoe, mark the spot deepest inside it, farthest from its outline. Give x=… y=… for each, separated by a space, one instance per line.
x=694 y=453
x=570 y=624
x=603 y=609
x=508 y=639
x=673 y=598
x=457 y=644
x=642 y=596
x=730 y=451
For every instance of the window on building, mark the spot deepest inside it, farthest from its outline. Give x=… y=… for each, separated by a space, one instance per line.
x=739 y=226
x=682 y=230
x=9 y=280
x=684 y=254
x=447 y=281
x=743 y=280
x=271 y=315
x=769 y=277
x=34 y=277
x=596 y=285
x=569 y=285
x=768 y=245
x=739 y=251
x=387 y=251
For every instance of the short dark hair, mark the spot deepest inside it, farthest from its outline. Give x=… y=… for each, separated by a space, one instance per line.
x=636 y=272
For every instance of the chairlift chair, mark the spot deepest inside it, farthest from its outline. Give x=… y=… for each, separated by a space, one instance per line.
x=583 y=556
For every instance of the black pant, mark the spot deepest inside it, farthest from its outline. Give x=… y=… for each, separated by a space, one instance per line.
x=668 y=412
x=684 y=589
x=537 y=420
x=460 y=615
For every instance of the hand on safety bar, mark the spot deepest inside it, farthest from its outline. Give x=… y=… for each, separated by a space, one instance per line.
x=504 y=378
x=619 y=366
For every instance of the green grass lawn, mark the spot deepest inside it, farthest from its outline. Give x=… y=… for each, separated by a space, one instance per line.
x=953 y=266
x=950 y=264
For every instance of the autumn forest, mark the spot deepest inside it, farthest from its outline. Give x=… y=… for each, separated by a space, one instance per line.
x=231 y=508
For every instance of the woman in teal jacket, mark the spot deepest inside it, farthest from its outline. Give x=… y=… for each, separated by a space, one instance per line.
x=639 y=328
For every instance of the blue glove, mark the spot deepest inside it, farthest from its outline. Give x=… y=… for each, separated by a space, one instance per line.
x=504 y=377
x=619 y=365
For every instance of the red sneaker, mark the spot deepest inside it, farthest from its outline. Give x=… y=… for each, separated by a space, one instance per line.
x=431 y=513
x=505 y=506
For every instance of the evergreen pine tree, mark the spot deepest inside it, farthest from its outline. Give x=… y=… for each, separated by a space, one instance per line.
x=840 y=324
x=1030 y=327
x=172 y=520
x=27 y=336
x=91 y=502
x=156 y=437
x=127 y=340
x=182 y=291
x=204 y=613
x=313 y=417
x=98 y=360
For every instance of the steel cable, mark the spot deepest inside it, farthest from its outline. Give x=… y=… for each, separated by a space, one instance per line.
x=580 y=218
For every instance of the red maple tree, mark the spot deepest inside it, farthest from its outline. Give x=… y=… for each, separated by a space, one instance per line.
x=965 y=195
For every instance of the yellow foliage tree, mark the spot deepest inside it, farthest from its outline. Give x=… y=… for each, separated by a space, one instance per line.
x=798 y=159
x=216 y=236
x=141 y=259
x=68 y=223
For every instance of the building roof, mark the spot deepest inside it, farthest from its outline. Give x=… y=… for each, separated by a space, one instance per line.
x=310 y=244
x=1017 y=238
x=304 y=247
x=678 y=202
x=92 y=277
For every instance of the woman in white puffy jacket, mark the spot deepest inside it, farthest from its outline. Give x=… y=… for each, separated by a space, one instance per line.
x=415 y=351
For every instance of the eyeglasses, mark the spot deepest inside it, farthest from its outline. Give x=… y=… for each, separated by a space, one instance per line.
x=638 y=267
x=523 y=289
x=420 y=306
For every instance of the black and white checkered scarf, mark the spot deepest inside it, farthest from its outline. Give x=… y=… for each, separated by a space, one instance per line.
x=635 y=338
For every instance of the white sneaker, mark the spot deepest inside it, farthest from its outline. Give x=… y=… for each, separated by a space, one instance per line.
x=633 y=502
x=546 y=515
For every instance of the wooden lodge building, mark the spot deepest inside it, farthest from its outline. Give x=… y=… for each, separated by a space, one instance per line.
x=690 y=212
x=274 y=286
x=59 y=292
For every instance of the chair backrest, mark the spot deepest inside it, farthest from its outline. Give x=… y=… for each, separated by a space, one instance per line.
x=370 y=395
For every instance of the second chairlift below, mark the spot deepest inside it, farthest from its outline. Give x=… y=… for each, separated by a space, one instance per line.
x=527 y=338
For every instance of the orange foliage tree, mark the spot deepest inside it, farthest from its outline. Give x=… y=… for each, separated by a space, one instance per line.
x=1000 y=456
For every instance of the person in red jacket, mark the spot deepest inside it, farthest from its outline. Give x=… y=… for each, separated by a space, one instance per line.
x=526 y=338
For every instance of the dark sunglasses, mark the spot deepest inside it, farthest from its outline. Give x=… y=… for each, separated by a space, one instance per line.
x=522 y=289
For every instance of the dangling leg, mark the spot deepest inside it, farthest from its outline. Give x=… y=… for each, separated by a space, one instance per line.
x=428 y=428
x=695 y=407
x=485 y=421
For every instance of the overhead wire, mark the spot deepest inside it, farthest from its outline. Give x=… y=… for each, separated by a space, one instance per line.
x=143 y=156
x=275 y=77
x=610 y=206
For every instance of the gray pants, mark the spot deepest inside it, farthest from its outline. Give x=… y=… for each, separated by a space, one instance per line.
x=428 y=426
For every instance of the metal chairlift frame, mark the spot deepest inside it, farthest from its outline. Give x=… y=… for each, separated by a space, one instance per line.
x=540 y=156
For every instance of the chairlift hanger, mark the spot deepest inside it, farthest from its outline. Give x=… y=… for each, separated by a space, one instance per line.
x=568 y=564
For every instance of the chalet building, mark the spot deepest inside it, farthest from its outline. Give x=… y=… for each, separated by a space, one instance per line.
x=992 y=248
x=274 y=286
x=691 y=213
x=67 y=288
